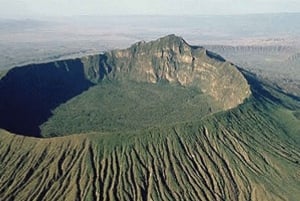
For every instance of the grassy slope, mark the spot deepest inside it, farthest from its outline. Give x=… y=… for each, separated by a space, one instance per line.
x=247 y=153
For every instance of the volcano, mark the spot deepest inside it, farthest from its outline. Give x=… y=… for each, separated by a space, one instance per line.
x=160 y=120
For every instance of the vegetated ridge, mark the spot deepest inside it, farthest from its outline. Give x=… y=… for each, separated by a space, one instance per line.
x=246 y=150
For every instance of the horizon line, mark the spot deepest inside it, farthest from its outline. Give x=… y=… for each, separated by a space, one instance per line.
x=147 y=15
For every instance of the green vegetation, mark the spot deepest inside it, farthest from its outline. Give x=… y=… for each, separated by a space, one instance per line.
x=127 y=106
x=297 y=114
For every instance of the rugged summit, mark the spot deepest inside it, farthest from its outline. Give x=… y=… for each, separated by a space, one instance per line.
x=173 y=60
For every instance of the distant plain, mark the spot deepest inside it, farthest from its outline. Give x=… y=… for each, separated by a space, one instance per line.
x=266 y=44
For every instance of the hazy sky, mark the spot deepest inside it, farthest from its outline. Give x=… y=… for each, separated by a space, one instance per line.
x=32 y=8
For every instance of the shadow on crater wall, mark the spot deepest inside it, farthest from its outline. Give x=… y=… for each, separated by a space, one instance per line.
x=28 y=94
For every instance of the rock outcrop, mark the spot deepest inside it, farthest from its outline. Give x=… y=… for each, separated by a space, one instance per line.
x=173 y=60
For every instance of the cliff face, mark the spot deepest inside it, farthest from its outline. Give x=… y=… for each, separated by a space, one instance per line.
x=171 y=59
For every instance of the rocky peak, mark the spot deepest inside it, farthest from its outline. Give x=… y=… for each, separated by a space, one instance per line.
x=168 y=44
x=170 y=41
x=173 y=60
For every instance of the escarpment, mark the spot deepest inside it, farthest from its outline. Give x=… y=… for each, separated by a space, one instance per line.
x=173 y=60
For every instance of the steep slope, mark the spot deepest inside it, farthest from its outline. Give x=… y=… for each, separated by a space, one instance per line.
x=173 y=60
x=30 y=93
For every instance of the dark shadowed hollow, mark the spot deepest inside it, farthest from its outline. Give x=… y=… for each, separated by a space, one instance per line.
x=29 y=93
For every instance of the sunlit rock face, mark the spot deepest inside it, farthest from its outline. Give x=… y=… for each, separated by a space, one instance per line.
x=173 y=60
